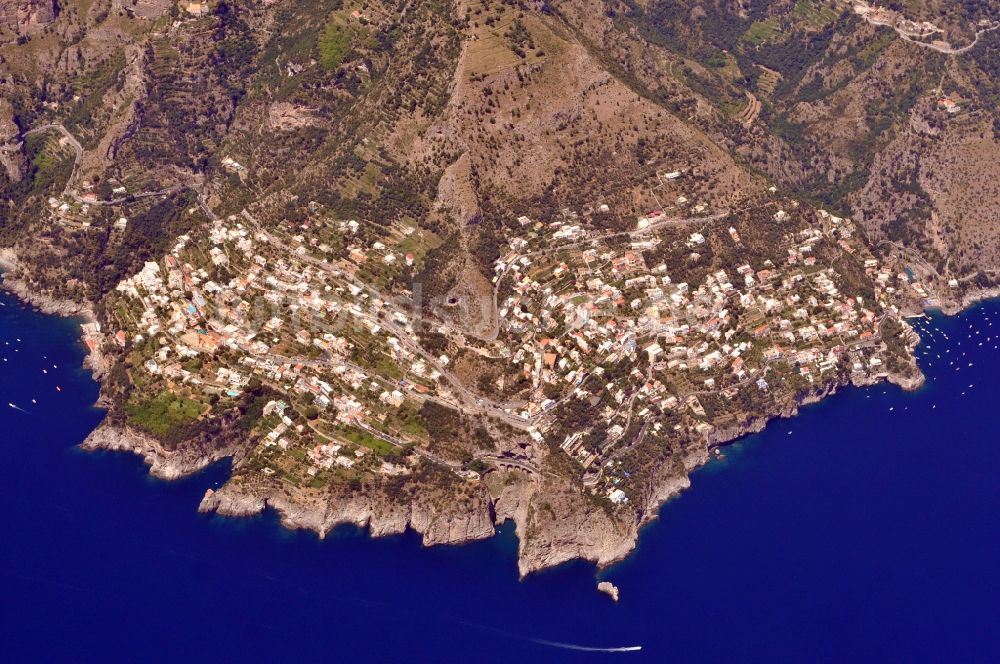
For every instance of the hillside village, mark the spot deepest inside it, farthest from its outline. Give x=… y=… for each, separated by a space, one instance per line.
x=603 y=340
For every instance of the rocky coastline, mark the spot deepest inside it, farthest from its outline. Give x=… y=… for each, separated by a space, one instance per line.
x=588 y=533
x=14 y=282
x=951 y=306
x=360 y=510
x=163 y=463
x=575 y=540
x=583 y=535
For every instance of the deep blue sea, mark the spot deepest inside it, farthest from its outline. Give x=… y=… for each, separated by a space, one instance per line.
x=867 y=529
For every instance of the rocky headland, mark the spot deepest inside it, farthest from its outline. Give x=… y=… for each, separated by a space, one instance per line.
x=15 y=281
x=555 y=521
x=164 y=463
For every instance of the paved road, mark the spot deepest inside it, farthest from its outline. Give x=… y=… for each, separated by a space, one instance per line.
x=945 y=48
x=77 y=152
x=509 y=462
x=69 y=189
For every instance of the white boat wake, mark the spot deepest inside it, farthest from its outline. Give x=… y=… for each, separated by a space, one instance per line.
x=573 y=646
x=545 y=642
x=16 y=407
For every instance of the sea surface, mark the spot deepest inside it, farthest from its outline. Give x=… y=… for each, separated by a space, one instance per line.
x=866 y=529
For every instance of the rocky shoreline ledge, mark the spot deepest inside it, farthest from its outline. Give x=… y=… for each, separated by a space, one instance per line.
x=454 y=527
x=163 y=464
x=587 y=534
x=951 y=307
x=583 y=535
x=597 y=544
x=12 y=281
x=15 y=283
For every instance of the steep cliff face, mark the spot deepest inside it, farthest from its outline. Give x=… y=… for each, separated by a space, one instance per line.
x=555 y=520
x=165 y=464
x=551 y=534
x=26 y=17
x=9 y=131
x=553 y=526
x=12 y=161
x=321 y=512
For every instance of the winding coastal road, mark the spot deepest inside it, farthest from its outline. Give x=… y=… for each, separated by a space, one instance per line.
x=948 y=49
x=865 y=11
x=77 y=152
x=69 y=189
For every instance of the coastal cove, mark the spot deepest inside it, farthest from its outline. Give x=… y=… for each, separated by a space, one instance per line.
x=864 y=528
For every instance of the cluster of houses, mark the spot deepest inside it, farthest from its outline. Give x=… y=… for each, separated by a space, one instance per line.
x=275 y=318
x=570 y=316
x=238 y=305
